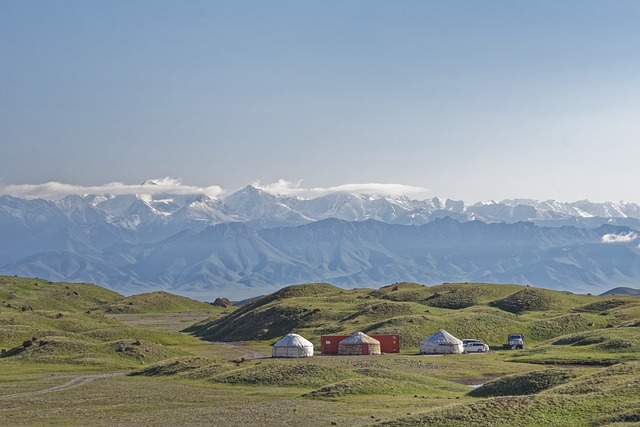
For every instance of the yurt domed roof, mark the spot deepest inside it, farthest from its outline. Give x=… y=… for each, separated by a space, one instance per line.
x=293 y=340
x=359 y=338
x=441 y=336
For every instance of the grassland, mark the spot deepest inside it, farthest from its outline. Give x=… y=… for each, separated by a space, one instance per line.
x=467 y=310
x=70 y=323
x=98 y=358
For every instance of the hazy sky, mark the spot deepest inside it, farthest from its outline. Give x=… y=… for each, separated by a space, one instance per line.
x=471 y=100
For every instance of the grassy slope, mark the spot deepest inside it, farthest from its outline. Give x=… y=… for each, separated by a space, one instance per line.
x=20 y=294
x=482 y=311
x=158 y=302
x=63 y=321
x=81 y=338
x=17 y=294
x=551 y=398
x=531 y=396
x=345 y=390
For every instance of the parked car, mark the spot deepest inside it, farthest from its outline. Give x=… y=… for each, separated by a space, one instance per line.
x=515 y=341
x=474 y=346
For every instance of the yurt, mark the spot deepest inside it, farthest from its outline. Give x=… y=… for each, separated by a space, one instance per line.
x=359 y=344
x=442 y=342
x=292 y=345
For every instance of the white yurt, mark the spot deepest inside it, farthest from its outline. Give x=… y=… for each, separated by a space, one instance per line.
x=292 y=345
x=359 y=344
x=442 y=342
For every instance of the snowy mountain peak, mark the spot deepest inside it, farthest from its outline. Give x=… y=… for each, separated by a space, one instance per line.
x=260 y=208
x=255 y=238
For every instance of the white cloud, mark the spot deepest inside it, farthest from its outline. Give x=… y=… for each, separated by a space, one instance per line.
x=281 y=187
x=284 y=187
x=173 y=186
x=56 y=190
x=619 y=238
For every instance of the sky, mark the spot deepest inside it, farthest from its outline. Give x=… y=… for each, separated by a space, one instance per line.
x=468 y=100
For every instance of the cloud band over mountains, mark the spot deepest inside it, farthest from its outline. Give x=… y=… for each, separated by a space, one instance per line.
x=57 y=190
x=289 y=188
x=168 y=185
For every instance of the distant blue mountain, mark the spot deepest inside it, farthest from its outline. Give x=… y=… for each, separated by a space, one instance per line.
x=253 y=243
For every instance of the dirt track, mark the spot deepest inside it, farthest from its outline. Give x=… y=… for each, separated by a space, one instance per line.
x=76 y=381
x=239 y=348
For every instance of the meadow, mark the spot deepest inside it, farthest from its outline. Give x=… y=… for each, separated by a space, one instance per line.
x=98 y=358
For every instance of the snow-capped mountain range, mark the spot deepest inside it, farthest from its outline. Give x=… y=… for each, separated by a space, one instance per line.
x=251 y=242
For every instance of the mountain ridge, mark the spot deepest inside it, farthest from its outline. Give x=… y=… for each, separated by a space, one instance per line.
x=252 y=242
x=262 y=209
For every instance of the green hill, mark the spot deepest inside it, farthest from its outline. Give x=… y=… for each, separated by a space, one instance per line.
x=447 y=295
x=51 y=332
x=325 y=378
x=23 y=294
x=47 y=322
x=157 y=302
x=38 y=309
x=535 y=299
x=81 y=338
x=554 y=397
x=488 y=312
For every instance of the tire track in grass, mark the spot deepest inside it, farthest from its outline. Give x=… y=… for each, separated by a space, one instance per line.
x=77 y=381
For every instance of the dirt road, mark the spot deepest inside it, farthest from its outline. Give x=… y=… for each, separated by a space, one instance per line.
x=76 y=381
x=239 y=348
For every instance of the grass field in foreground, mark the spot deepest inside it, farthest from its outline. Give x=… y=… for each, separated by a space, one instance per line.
x=359 y=396
x=75 y=372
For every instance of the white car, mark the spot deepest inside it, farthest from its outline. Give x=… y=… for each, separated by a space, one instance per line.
x=474 y=346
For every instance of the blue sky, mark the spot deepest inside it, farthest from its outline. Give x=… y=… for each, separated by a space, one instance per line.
x=471 y=100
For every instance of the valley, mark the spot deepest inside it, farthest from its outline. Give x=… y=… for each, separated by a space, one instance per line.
x=98 y=358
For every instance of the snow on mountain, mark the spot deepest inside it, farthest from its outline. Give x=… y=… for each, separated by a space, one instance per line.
x=252 y=241
x=154 y=212
x=605 y=210
x=256 y=206
x=130 y=211
x=359 y=207
x=581 y=208
x=205 y=210
x=347 y=206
